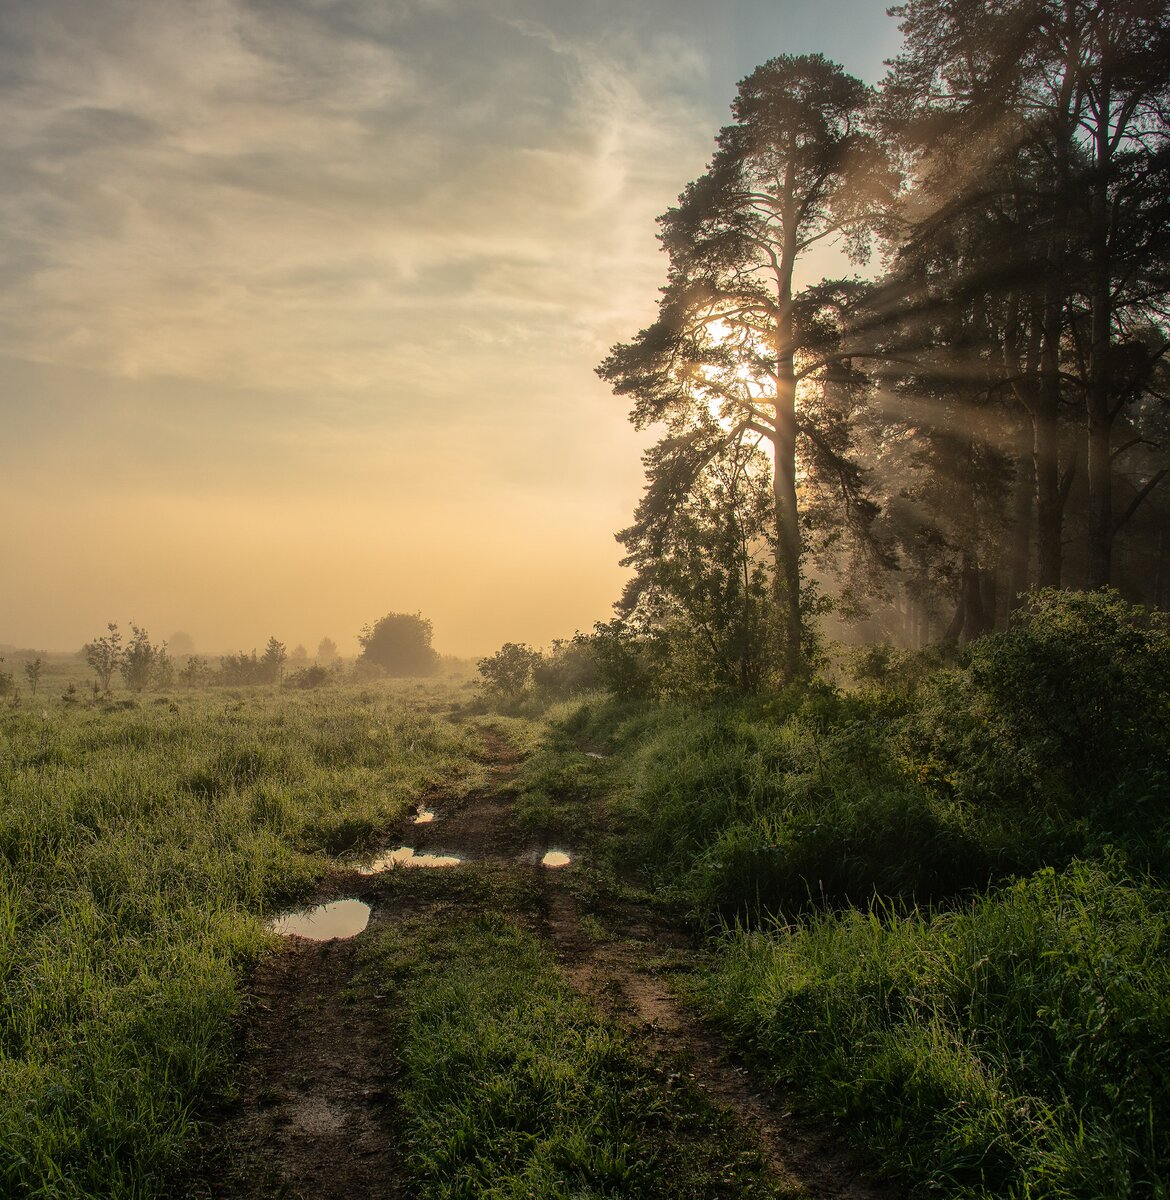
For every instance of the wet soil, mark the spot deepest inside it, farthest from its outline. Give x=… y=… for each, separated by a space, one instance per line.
x=315 y=1118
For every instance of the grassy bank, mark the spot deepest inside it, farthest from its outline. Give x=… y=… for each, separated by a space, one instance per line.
x=141 y=842
x=1015 y=1046
x=938 y=898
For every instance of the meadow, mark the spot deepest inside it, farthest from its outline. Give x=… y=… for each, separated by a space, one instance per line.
x=930 y=904
x=143 y=840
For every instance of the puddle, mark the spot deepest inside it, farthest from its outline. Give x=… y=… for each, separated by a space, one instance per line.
x=341 y=919
x=404 y=856
x=556 y=858
x=424 y=816
x=595 y=754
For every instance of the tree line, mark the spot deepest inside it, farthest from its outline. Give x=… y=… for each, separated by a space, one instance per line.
x=399 y=644
x=986 y=415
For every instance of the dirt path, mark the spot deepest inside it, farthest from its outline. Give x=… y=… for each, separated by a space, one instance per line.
x=315 y=1116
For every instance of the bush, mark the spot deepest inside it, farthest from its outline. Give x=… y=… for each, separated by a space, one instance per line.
x=1068 y=709
x=508 y=671
x=399 y=644
x=310 y=677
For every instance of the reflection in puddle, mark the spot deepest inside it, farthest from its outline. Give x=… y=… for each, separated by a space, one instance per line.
x=424 y=816
x=404 y=856
x=555 y=858
x=341 y=919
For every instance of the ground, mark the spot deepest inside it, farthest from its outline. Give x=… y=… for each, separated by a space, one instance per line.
x=318 y=1109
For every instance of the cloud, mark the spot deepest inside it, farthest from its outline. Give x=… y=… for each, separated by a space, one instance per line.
x=362 y=251
x=304 y=195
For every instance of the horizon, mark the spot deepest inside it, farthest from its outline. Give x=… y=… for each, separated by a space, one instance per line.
x=302 y=328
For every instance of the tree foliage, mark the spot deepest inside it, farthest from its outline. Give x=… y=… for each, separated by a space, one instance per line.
x=399 y=644
x=738 y=358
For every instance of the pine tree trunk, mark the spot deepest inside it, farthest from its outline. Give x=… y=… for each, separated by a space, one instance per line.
x=1097 y=398
x=1020 y=548
x=788 y=547
x=787 y=579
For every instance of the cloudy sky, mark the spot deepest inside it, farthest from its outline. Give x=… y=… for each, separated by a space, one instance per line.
x=300 y=301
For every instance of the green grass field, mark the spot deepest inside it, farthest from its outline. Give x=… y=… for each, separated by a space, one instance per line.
x=142 y=841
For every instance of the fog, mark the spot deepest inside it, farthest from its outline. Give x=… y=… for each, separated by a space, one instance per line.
x=301 y=303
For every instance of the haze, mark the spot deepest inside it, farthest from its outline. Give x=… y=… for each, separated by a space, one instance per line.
x=301 y=301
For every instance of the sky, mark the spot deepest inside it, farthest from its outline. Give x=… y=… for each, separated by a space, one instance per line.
x=301 y=301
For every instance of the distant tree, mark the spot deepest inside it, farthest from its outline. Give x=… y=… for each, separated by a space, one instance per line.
x=141 y=661
x=7 y=681
x=193 y=672
x=273 y=661
x=104 y=655
x=164 y=667
x=508 y=671
x=32 y=672
x=242 y=668
x=298 y=657
x=326 y=652
x=182 y=645
x=399 y=644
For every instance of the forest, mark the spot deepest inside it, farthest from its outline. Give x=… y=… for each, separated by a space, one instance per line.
x=835 y=864
x=983 y=415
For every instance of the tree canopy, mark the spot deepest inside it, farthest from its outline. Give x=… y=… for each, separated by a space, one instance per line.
x=399 y=644
x=988 y=414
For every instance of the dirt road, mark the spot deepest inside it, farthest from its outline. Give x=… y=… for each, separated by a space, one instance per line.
x=315 y=1116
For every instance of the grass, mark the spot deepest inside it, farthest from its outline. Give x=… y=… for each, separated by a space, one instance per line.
x=141 y=844
x=512 y=1086
x=1016 y=1047
x=940 y=906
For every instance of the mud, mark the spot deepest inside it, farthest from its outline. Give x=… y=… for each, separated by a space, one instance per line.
x=315 y=1115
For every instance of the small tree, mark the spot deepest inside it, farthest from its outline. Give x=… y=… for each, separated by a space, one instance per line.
x=7 y=680
x=242 y=668
x=508 y=671
x=104 y=655
x=163 y=674
x=400 y=644
x=326 y=652
x=140 y=661
x=32 y=672
x=194 y=672
x=272 y=664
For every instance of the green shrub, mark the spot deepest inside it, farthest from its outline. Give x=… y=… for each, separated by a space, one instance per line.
x=1068 y=713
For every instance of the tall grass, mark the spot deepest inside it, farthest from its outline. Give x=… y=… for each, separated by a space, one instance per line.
x=1017 y=1047
x=140 y=843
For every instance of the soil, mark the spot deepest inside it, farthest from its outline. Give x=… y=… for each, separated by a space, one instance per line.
x=314 y=1117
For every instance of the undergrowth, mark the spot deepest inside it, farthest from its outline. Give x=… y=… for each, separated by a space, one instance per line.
x=949 y=894
x=1018 y=1046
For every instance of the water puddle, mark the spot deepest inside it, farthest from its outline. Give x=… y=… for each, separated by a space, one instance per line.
x=424 y=816
x=595 y=754
x=341 y=919
x=556 y=858
x=405 y=856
